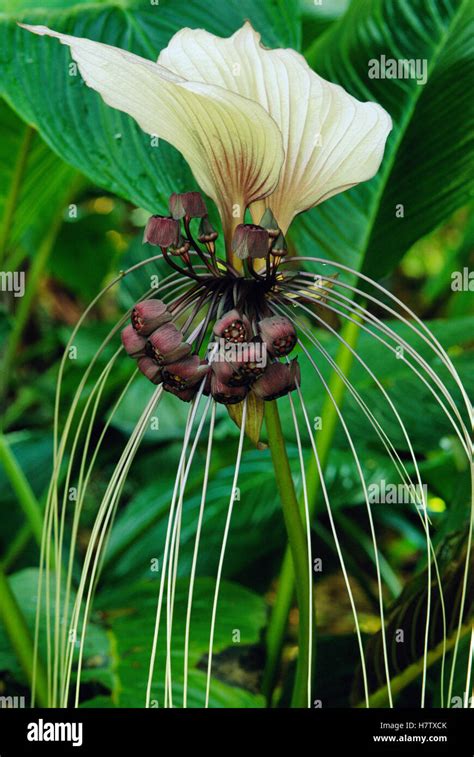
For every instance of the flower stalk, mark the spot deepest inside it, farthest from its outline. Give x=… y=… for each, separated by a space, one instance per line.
x=288 y=580
x=298 y=549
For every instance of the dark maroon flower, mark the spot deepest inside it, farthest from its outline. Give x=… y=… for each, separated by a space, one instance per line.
x=233 y=327
x=186 y=395
x=134 y=344
x=250 y=241
x=277 y=380
x=165 y=345
x=229 y=373
x=188 y=204
x=249 y=371
x=227 y=395
x=279 y=334
x=149 y=368
x=161 y=231
x=149 y=315
x=185 y=373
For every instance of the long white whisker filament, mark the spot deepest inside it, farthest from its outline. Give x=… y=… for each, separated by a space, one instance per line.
x=424 y=519
x=99 y=532
x=369 y=513
x=461 y=432
x=196 y=552
x=174 y=550
x=337 y=544
x=223 y=548
x=469 y=693
x=437 y=348
x=187 y=432
x=362 y=315
x=308 y=539
x=51 y=508
x=97 y=394
x=82 y=489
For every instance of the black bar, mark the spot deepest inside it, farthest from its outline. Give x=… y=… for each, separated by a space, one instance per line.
x=318 y=731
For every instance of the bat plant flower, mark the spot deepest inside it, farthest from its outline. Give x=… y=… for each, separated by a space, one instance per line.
x=269 y=136
x=266 y=139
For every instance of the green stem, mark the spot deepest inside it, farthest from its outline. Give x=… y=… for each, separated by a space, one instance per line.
x=22 y=489
x=20 y=639
x=35 y=272
x=286 y=582
x=298 y=548
x=23 y=311
x=11 y=201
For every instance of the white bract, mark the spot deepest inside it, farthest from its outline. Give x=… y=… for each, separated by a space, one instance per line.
x=258 y=127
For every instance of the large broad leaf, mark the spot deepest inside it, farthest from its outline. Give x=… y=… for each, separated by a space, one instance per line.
x=130 y=613
x=38 y=80
x=427 y=167
x=24 y=585
x=118 y=642
x=34 y=184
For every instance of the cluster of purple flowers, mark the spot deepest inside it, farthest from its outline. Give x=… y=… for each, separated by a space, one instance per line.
x=164 y=356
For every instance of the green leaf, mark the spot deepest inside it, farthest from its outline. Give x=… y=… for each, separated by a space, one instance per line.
x=427 y=167
x=34 y=184
x=37 y=79
x=14 y=6
x=406 y=390
x=33 y=452
x=168 y=420
x=84 y=254
x=24 y=585
x=141 y=525
x=317 y=18
x=131 y=612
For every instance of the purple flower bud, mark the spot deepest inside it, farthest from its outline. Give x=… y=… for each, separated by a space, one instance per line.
x=161 y=231
x=165 y=345
x=227 y=395
x=188 y=204
x=186 y=395
x=185 y=373
x=229 y=373
x=250 y=241
x=149 y=315
x=277 y=380
x=233 y=327
x=149 y=369
x=134 y=344
x=268 y=222
x=279 y=335
x=207 y=232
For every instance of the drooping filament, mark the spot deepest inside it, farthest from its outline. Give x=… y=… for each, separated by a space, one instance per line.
x=215 y=303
